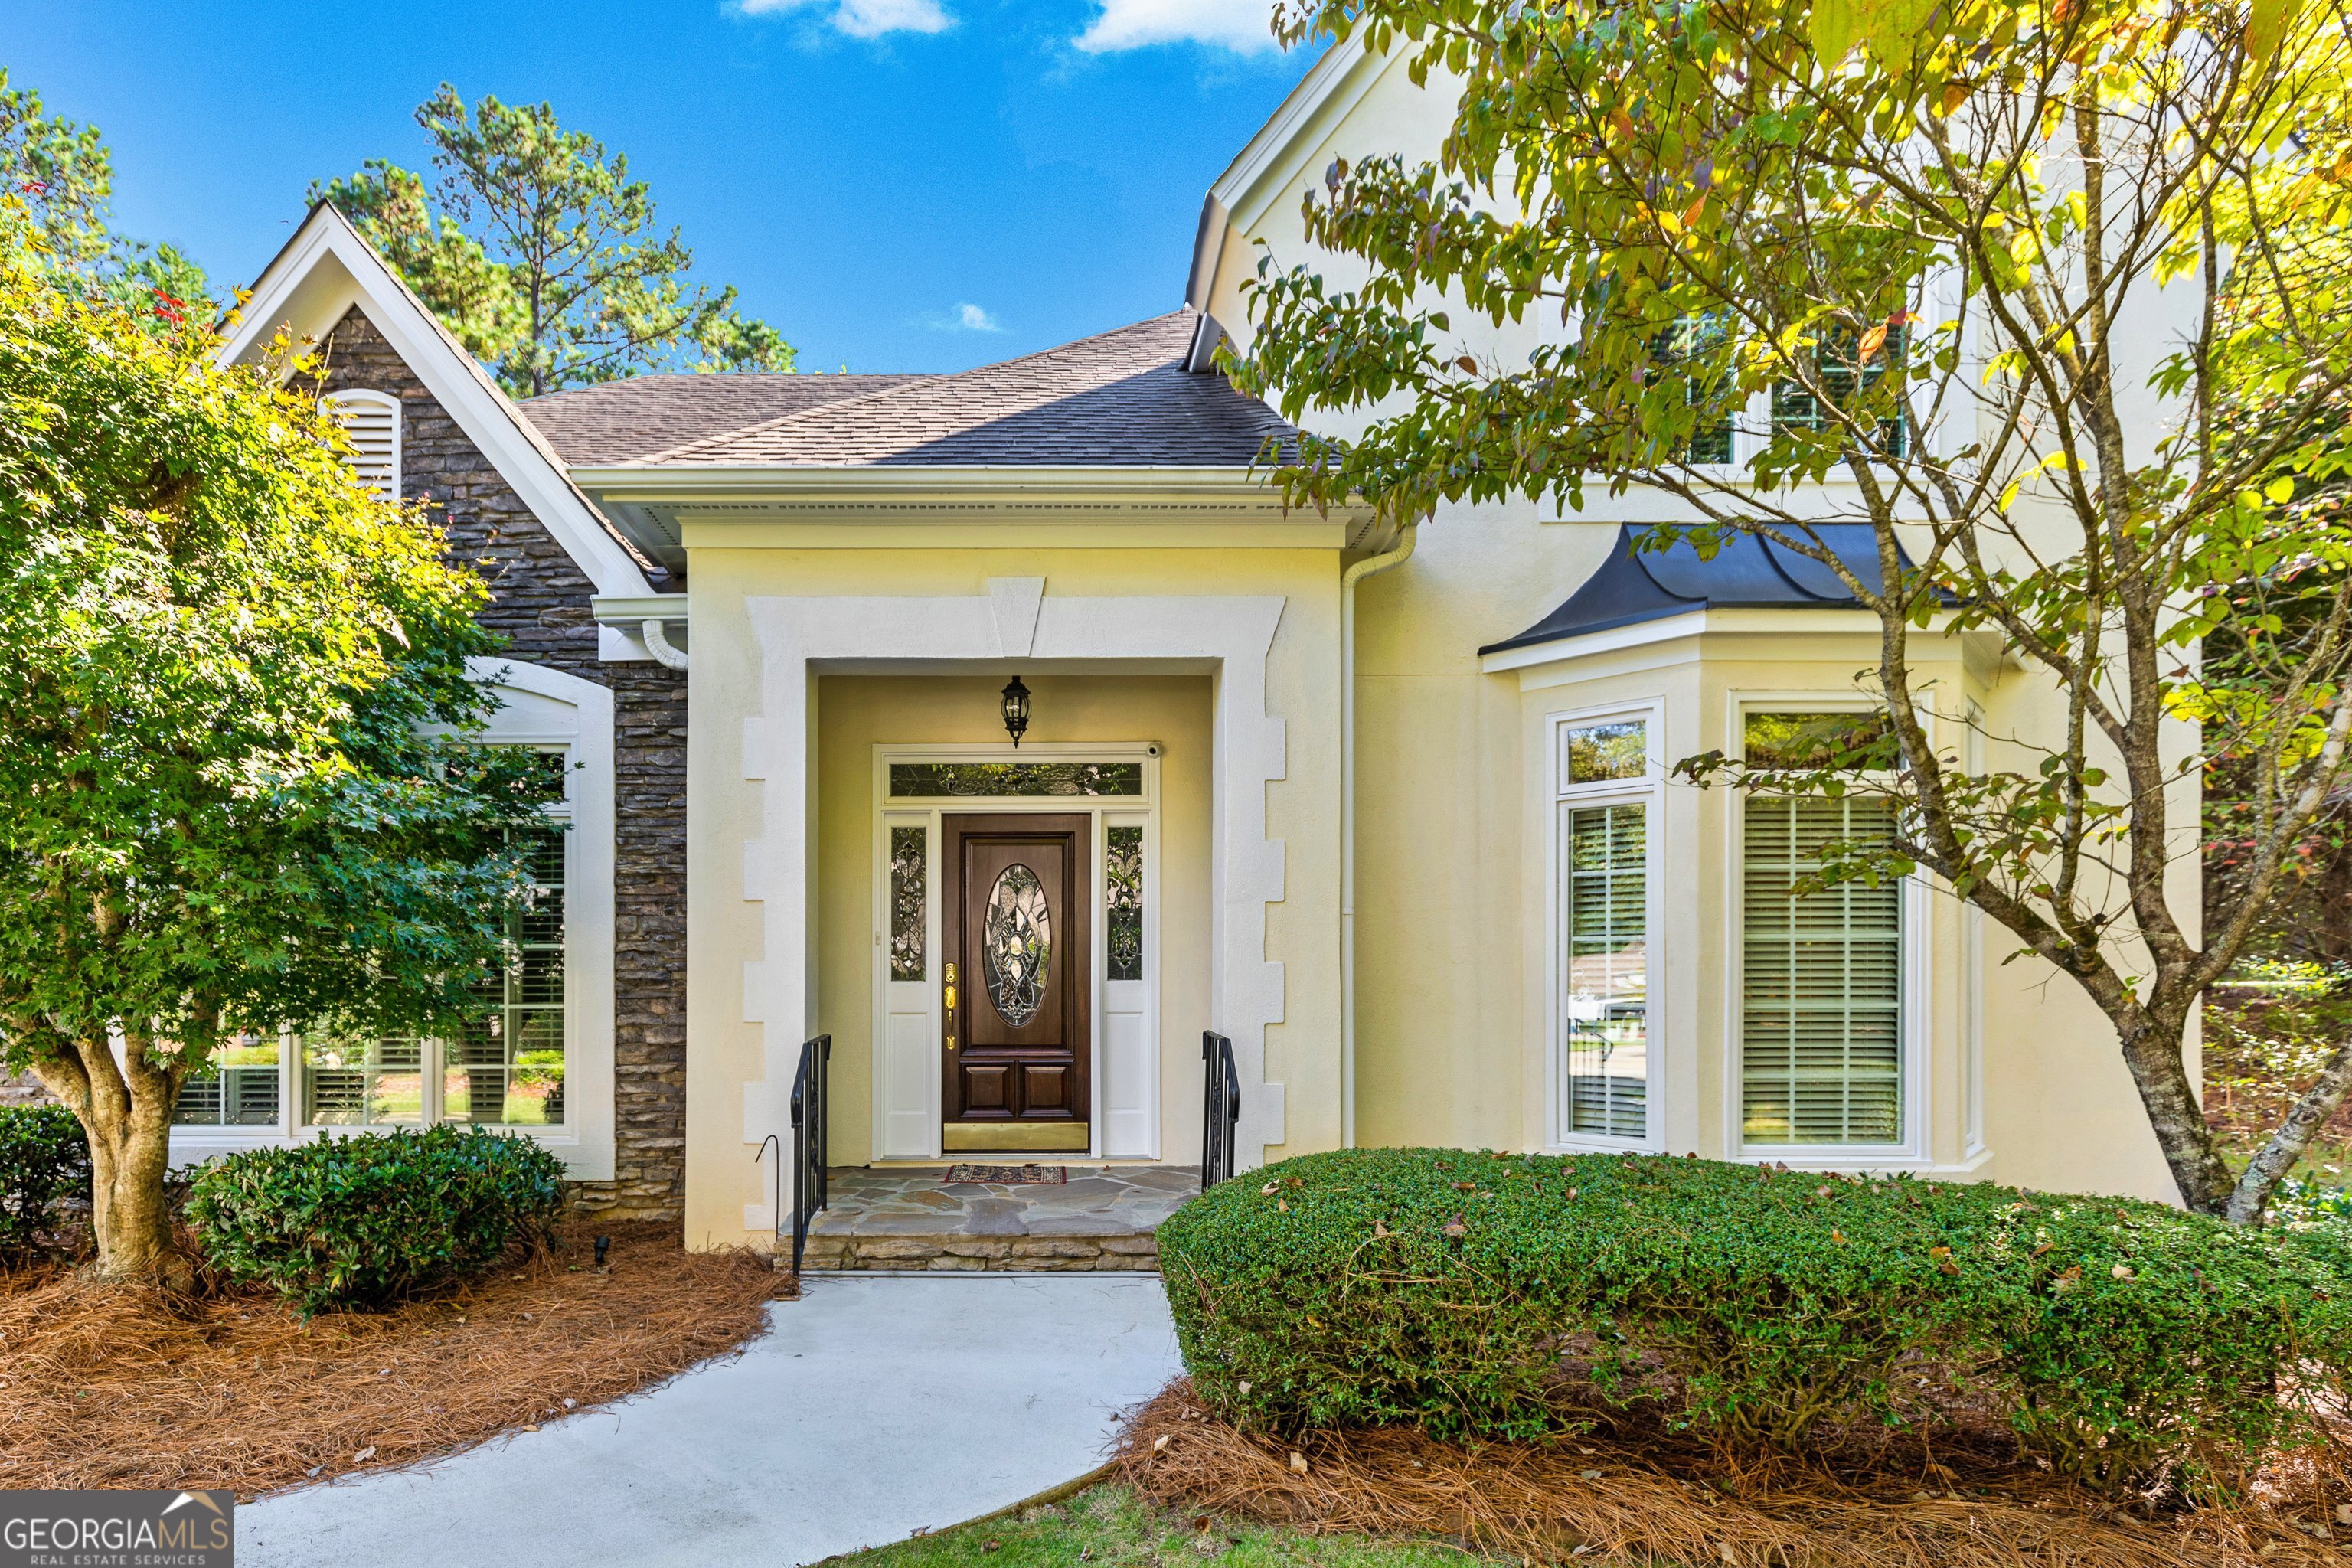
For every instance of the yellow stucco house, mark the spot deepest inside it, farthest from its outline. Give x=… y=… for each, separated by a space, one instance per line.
x=1388 y=809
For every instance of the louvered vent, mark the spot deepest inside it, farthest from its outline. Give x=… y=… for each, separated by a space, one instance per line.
x=371 y=423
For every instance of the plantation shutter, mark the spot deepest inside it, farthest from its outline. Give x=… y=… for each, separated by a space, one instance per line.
x=1606 y=1008
x=1822 y=981
x=371 y=423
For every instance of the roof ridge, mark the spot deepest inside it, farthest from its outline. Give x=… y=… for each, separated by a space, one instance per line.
x=684 y=448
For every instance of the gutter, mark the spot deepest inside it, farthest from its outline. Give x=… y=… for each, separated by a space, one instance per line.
x=1348 y=581
x=647 y=616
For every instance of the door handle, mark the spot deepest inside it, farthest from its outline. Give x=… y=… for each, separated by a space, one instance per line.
x=949 y=998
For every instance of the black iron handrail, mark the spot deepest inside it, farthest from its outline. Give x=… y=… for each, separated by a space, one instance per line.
x=808 y=1139
x=1221 y=1109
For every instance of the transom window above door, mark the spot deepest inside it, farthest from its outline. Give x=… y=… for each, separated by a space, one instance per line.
x=964 y=781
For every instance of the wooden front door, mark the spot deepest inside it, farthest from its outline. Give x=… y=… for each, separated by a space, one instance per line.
x=1018 y=1043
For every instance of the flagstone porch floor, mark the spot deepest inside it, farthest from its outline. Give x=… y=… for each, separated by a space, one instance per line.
x=910 y=1217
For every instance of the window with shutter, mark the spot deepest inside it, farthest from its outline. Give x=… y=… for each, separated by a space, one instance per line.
x=1822 y=981
x=371 y=424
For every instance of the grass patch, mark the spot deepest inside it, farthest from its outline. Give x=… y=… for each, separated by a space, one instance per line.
x=1111 y=1527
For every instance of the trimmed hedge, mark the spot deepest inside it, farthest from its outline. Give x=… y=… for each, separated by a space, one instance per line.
x=44 y=1162
x=1485 y=1295
x=364 y=1220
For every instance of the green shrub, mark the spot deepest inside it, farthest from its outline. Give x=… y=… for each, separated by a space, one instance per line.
x=364 y=1220
x=1486 y=1295
x=43 y=1163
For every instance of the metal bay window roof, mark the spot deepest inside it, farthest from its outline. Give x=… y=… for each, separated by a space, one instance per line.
x=1748 y=572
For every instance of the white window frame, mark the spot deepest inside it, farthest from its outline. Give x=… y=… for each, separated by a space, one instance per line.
x=433 y=1065
x=1648 y=791
x=1911 y=1151
x=1939 y=302
x=1972 y=974
x=547 y=709
x=335 y=403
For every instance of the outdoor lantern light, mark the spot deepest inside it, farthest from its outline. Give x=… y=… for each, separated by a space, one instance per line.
x=1016 y=709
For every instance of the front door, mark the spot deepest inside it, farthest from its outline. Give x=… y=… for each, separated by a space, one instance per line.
x=1014 y=916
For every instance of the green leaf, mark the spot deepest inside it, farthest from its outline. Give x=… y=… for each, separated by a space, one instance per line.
x=1835 y=25
x=2266 y=24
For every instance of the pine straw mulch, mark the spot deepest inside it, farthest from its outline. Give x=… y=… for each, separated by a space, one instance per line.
x=1648 y=1496
x=103 y=1386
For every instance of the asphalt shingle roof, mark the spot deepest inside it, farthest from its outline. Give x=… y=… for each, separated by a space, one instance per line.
x=1120 y=398
x=620 y=420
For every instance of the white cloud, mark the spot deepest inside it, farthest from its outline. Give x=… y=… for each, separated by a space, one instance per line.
x=1241 y=25
x=862 y=18
x=962 y=318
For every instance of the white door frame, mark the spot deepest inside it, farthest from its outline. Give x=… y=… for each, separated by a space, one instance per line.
x=907 y=1076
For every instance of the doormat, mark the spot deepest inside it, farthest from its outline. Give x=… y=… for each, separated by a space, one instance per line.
x=1009 y=1175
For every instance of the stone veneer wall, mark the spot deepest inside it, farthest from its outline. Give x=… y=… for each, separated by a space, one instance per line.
x=542 y=607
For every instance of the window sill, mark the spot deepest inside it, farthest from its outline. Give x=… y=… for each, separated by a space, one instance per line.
x=1886 y=1160
x=227 y=1139
x=1601 y=1146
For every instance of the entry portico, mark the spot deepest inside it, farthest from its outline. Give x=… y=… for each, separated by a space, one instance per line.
x=1014 y=625
x=861 y=581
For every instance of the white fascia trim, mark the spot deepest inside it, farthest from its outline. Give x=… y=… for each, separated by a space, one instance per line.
x=1699 y=623
x=1251 y=749
x=1273 y=158
x=483 y=412
x=1671 y=628
x=803 y=482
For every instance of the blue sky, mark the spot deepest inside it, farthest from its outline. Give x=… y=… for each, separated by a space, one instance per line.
x=898 y=184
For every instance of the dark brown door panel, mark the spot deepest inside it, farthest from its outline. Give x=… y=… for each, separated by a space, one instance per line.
x=1014 y=908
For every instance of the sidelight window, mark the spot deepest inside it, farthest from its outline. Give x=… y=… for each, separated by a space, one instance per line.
x=1604 y=912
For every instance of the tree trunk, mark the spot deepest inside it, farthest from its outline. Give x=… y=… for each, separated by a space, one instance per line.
x=127 y=1118
x=2155 y=1052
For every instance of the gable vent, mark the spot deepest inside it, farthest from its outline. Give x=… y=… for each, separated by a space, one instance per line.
x=371 y=423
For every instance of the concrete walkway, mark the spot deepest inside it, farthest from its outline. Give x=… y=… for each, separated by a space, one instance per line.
x=874 y=1406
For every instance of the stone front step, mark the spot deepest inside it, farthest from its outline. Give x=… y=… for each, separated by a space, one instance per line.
x=914 y=1219
x=953 y=1251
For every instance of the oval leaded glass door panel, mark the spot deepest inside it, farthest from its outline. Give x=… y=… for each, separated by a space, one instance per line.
x=1016 y=944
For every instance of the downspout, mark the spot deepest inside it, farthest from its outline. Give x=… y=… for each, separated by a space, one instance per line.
x=657 y=644
x=1348 y=581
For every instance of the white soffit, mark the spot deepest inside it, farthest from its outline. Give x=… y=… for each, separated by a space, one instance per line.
x=323 y=272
